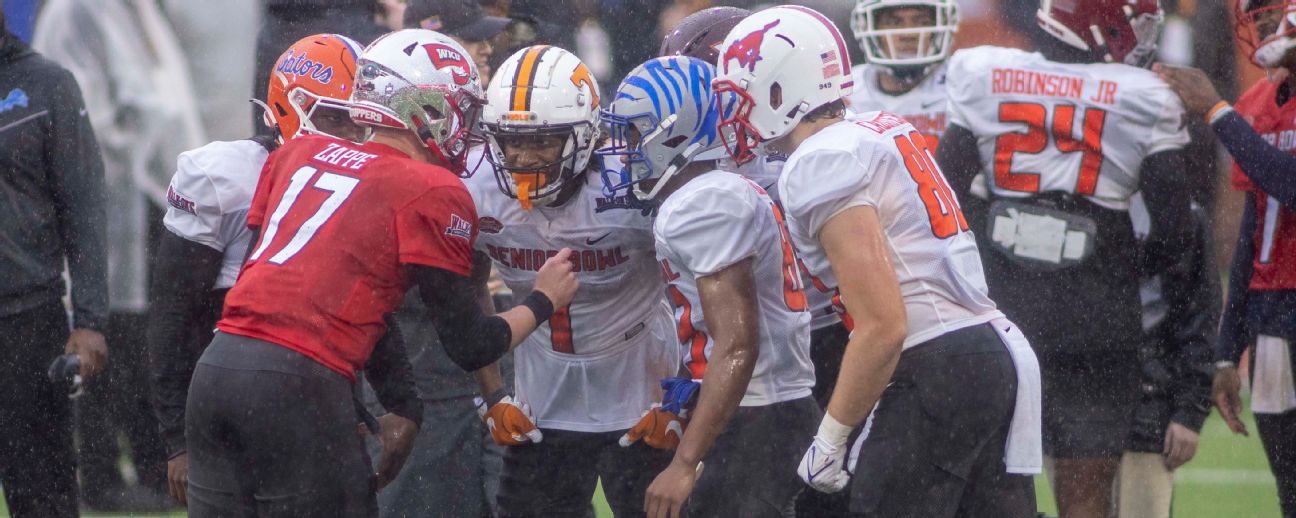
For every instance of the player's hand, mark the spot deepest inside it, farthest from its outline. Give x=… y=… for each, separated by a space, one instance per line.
x=178 y=477
x=666 y=496
x=1180 y=445
x=1224 y=391
x=659 y=428
x=396 y=436
x=92 y=348
x=557 y=280
x=510 y=424
x=1192 y=86
x=823 y=466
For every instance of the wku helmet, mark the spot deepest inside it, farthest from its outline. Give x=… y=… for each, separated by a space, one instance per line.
x=781 y=63
x=934 y=42
x=424 y=82
x=316 y=73
x=1114 y=31
x=700 y=34
x=542 y=90
x=1268 y=28
x=663 y=117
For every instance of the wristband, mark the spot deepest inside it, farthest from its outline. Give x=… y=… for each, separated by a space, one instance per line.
x=1218 y=111
x=540 y=306
x=832 y=431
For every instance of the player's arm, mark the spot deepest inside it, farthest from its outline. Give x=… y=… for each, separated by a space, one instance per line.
x=728 y=299
x=1161 y=180
x=959 y=158
x=184 y=274
x=861 y=260
x=474 y=339
x=1193 y=294
x=390 y=373
x=1234 y=333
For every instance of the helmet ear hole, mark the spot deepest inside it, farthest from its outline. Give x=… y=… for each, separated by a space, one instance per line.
x=279 y=108
x=432 y=112
x=776 y=96
x=675 y=141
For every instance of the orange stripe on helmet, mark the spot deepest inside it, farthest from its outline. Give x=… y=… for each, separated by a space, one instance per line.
x=525 y=76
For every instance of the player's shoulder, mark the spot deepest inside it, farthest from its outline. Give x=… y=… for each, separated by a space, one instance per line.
x=974 y=62
x=1253 y=100
x=223 y=157
x=218 y=174
x=714 y=195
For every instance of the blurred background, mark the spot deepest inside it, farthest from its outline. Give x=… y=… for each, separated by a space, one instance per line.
x=163 y=76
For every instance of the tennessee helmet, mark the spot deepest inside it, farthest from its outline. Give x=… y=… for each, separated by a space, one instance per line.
x=424 y=82
x=887 y=46
x=700 y=34
x=781 y=63
x=317 y=73
x=663 y=117
x=1268 y=28
x=1114 y=31
x=541 y=92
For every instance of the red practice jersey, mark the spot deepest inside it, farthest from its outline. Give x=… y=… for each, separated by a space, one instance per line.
x=338 y=223
x=1275 y=233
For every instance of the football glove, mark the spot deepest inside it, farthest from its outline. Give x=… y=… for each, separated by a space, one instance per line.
x=823 y=466
x=659 y=428
x=678 y=394
x=510 y=424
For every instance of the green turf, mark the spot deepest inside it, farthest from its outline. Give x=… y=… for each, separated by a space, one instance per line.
x=1229 y=477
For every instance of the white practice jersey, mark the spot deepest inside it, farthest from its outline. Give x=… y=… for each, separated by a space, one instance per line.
x=765 y=170
x=924 y=106
x=596 y=365
x=209 y=197
x=1077 y=128
x=877 y=159
x=710 y=223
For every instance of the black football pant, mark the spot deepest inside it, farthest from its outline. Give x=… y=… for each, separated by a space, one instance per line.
x=273 y=433
x=556 y=476
x=1278 y=434
x=37 y=466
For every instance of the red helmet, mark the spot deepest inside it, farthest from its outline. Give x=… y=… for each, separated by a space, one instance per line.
x=701 y=33
x=1115 y=31
x=317 y=72
x=1268 y=44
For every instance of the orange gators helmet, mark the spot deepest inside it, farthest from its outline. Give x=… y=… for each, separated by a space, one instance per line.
x=315 y=75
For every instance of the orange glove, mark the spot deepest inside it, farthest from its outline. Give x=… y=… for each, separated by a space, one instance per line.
x=509 y=423
x=658 y=428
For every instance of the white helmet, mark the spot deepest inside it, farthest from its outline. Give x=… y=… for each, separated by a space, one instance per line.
x=542 y=91
x=880 y=45
x=422 y=81
x=782 y=63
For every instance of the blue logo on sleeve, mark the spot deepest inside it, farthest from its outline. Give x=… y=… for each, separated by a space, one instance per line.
x=16 y=99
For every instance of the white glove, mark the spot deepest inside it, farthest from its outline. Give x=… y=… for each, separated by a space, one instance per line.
x=823 y=466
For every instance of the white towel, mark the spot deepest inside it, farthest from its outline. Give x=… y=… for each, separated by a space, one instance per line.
x=1272 y=390
x=1024 y=452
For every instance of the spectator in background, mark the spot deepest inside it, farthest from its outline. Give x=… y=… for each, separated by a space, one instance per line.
x=286 y=21
x=53 y=211
x=145 y=113
x=463 y=20
x=1181 y=307
x=219 y=42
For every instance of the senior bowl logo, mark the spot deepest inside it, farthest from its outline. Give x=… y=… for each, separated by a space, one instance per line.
x=450 y=60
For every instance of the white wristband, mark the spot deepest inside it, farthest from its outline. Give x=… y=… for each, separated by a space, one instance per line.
x=832 y=431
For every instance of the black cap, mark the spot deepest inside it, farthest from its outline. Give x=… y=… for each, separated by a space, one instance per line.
x=463 y=19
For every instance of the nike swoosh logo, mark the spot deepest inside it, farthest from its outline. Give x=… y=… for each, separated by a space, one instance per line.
x=591 y=242
x=928 y=105
x=770 y=187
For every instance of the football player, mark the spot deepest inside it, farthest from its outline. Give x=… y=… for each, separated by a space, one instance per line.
x=1064 y=138
x=341 y=231
x=1262 y=288
x=732 y=277
x=207 y=239
x=586 y=377
x=906 y=43
x=951 y=385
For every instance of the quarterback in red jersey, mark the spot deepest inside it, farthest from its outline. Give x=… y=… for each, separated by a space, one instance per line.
x=344 y=230
x=1260 y=133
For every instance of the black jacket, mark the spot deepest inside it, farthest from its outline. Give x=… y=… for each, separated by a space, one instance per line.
x=1181 y=309
x=51 y=190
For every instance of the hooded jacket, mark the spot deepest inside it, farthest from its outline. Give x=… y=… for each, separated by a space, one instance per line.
x=51 y=190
